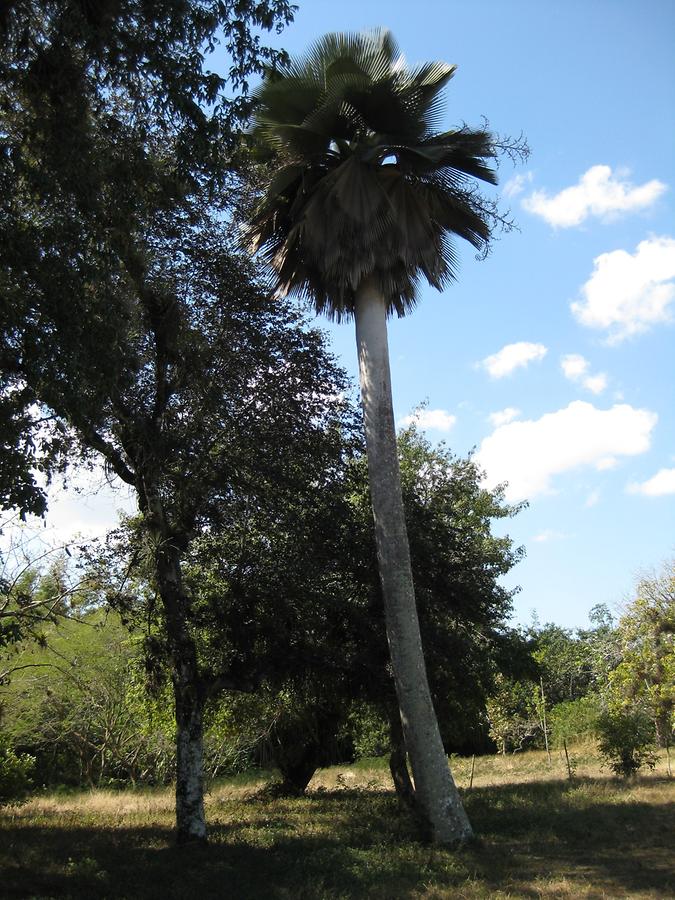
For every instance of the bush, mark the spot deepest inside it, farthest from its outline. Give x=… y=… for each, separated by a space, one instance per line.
x=574 y=720
x=368 y=730
x=15 y=773
x=626 y=740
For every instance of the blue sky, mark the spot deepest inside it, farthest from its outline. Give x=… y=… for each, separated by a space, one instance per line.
x=553 y=358
x=585 y=291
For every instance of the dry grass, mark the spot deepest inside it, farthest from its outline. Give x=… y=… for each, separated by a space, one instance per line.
x=540 y=836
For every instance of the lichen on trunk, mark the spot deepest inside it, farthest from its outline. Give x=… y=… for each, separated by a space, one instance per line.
x=190 y=818
x=188 y=687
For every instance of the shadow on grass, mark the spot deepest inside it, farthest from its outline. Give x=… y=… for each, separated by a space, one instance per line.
x=359 y=844
x=590 y=831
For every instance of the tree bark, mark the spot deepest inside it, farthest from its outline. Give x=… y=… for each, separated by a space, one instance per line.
x=187 y=683
x=437 y=800
x=190 y=818
x=398 y=767
x=297 y=774
x=398 y=763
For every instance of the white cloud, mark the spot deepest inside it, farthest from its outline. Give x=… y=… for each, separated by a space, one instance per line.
x=575 y=368
x=595 y=383
x=437 y=419
x=659 y=485
x=511 y=357
x=504 y=416
x=530 y=453
x=628 y=293
x=516 y=185
x=598 y=193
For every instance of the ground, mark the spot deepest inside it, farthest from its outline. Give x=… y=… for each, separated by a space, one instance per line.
x=541 y=835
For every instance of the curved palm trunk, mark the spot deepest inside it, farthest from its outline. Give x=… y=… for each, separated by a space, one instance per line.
x=436 y=797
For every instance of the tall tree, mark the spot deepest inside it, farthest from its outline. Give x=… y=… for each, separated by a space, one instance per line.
x=367 y=195
x=207 y=396
x=108 y=113
x=113 y=133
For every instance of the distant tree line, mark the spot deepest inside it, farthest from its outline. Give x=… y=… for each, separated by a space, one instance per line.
x=89 y=702
x=615 y=680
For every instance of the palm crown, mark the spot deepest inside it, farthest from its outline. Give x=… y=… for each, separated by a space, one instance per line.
x=366 y=184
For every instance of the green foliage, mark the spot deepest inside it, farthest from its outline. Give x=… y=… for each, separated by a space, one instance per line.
x=34 y=595
x=369 y=731
x=287 y=597
x=79 y=705
x=109 y=117
x=236 y=729
x=564 y=661
x=645 y=674
x=626 y=740
x=15 y=773
x=513 y=714
x=573 y=721
x=329 y=603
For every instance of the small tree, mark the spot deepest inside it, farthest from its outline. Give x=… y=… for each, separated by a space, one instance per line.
x=645 y=674
x=513 y=714
x=37 y=587
x=626 y=740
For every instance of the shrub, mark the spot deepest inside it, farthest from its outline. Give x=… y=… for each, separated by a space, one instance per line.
x=15 y=773
x=512 y=712
x=574 y=720
x=626 y=740
x=368 y=730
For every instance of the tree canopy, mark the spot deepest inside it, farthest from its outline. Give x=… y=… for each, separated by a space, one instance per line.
x=109 y=118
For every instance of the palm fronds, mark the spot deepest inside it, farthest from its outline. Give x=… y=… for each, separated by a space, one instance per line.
x=367 y=184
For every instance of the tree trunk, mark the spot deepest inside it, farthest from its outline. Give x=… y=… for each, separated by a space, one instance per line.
x=187 y=684
x=300 y=746
x=297 y=774
x=437 y=799
x=398 y=763
x=398 y=767
x=190 y=818
x=664 y=728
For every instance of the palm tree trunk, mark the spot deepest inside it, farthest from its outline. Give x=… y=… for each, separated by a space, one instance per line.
x=437 y=799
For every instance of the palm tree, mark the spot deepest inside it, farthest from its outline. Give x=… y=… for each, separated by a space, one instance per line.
x=366 y=196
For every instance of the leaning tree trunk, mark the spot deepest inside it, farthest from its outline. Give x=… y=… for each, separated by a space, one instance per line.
x=398 y=763
x=437 y=799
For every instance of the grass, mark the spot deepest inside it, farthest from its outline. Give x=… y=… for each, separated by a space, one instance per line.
x=541 y=835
